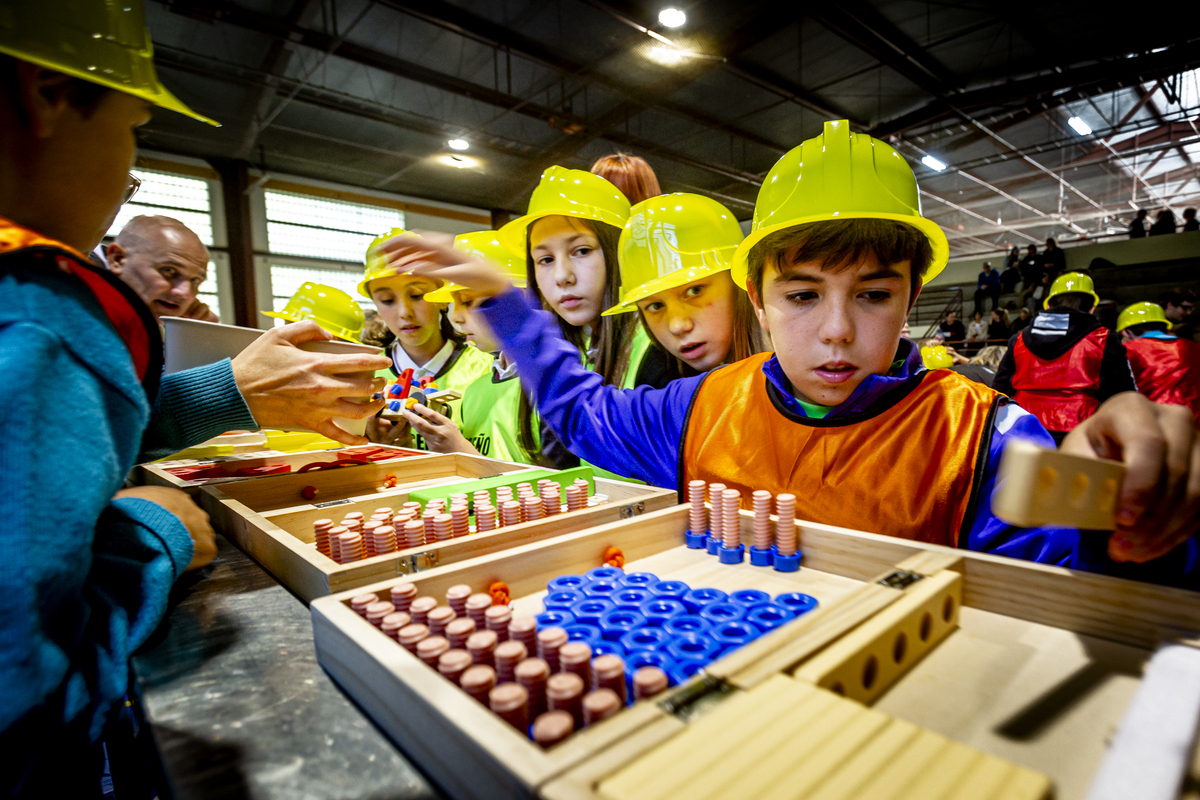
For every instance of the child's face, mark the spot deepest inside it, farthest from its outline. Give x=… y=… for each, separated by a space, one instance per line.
x=402 y=306
x=833 y=329
x=694 y=322
x=569 y=266
x=468 y=320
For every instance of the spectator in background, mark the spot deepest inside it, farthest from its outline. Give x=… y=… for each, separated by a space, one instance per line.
x=987 y=286
x=982 y=368
x=1011 y=276
x=1164 y=223
x=164 y=263
x=951 y=330
x=1137 y=228
x=976 y=329
x=1033 y=296
x=1054 y=260
x=998 y=325
x=1179 y=305
x=1022 y=320
x=1014 y=258
x=632 y=175
x=1189 y=220
x=1031 y=268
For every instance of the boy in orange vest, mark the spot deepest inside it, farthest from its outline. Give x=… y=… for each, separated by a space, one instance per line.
x=1166 y=368
x=843 y=415
x=1064 y=365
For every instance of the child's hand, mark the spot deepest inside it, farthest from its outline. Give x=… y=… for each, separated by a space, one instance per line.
x=285 y=386
x=441 y=435
x=194 y=518
x=385 y=431
x=427 y=255
x=1159 y=506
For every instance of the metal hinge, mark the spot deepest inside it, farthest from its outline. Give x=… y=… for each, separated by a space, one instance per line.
x=633 y=509
x=329 y=503
x=693 y=700
x=900 y=579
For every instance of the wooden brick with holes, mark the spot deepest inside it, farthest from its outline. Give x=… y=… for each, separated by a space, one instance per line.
x=1028 y=686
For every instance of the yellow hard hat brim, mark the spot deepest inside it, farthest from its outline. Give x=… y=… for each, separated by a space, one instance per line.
x=933 y=232
x=341 y=333
x=364 y=286
x=513 y=235
x=446 y=293
x=158 y=96
x=664 y=283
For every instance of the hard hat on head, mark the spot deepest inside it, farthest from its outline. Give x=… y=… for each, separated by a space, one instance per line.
x=670 y=241
x=1072 y=283
x=377 y=266
x=839 y=175
x=105 y=43
x=568 y=193
x=936 y=357
x=332 y=309
x=1141 y=313
x=484 y=245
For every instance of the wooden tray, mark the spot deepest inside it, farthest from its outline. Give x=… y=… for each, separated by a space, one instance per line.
x=1030 y=678
x=270 y=520
x=233 y=468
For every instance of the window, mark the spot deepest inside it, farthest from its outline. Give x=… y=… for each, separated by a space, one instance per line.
x=331 y=230
x=331 y=235
x=182 y=198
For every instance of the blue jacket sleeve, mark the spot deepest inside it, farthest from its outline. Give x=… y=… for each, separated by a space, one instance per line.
x=635 y=432
x=989 y=534
x=85 y=578
x=193 y=406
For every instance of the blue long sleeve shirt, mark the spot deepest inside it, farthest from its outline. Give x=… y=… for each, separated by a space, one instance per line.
x=86 y=577
x=641 y=431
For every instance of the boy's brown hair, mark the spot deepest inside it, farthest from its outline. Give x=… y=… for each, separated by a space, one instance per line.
x=840 y=244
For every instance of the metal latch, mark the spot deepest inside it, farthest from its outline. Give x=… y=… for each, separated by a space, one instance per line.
x=329 y=503
x=693 y=700
x=633 y=509
x=900 y=579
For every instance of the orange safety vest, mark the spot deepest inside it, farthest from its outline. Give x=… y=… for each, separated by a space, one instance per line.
x=913 y=470
x=1062 y=392
x=1167 y=371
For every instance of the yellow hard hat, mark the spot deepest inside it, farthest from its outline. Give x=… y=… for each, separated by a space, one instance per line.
x=566 y=192
x=484 y=245
x=332 y=309
x=1072 y=283
x=105 y=43
x=670 y=241
x=839 y=175
x=1141 y=313
x=377 y=264
x=936 y=357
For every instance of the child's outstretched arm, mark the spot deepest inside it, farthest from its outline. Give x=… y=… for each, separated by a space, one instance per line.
x=636 y=432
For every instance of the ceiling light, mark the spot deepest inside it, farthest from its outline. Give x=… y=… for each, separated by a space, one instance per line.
x=1079 y=126
x=668 y=56
x=933 y=163
x=672 y=17
x=458 y=144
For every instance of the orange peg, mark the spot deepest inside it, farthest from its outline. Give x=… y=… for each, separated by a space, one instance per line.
x=614 y=557
x=390 y=481
x=500 y=593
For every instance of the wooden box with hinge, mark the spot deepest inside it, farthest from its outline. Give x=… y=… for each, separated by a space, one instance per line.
x=926 y=672
x=272 y=518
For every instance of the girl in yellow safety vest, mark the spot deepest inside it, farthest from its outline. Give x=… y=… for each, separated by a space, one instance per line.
x=425 y=342
x=676 y=252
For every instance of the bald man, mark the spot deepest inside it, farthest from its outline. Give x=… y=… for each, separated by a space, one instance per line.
x=164 y=262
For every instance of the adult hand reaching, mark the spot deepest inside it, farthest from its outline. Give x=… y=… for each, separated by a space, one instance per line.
x=285 y=386
x=1159 y=506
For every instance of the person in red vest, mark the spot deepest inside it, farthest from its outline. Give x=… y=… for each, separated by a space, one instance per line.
x=1064 y=365
x=1166 y=368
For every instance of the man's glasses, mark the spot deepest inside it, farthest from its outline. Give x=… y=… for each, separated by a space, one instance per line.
x=135 y=183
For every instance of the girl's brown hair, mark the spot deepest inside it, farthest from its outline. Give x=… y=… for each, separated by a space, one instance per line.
x=748 y=337
x=632 y=175
x=610 y=338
